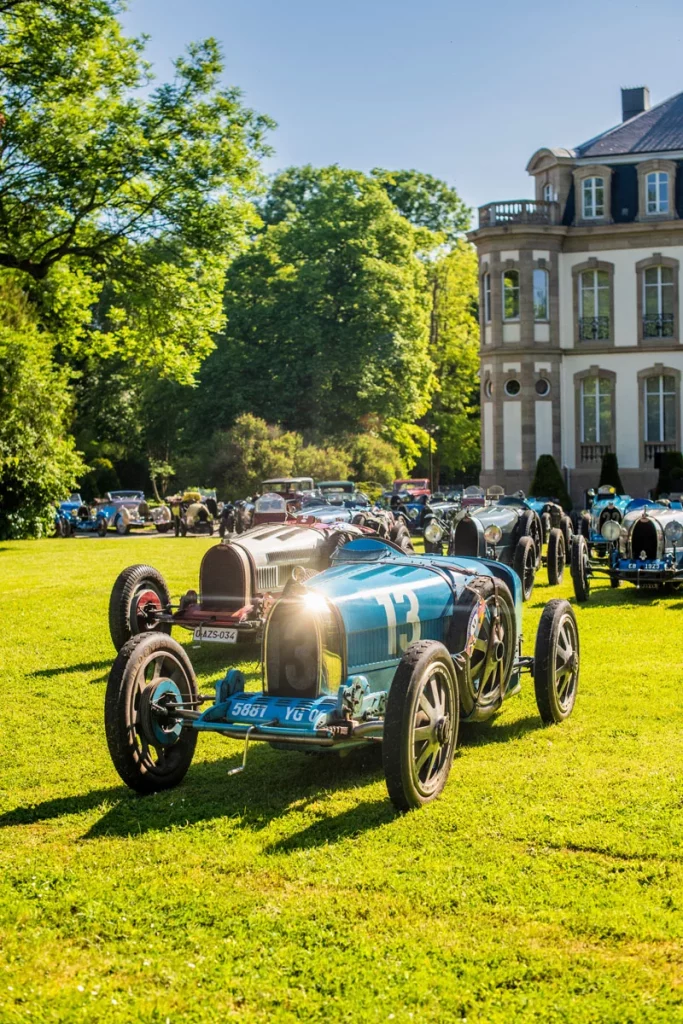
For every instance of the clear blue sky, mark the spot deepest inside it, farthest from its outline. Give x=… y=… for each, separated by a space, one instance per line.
x=465 y=91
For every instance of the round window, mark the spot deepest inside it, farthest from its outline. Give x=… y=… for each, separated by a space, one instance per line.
x=488 y=388
x=512 y=387
x=542 y=387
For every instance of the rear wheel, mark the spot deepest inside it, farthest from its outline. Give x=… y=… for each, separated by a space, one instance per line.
x=524 y=564
x=421 y=725
x=483 y=629
x=580 y=569
x=121 y=524
x=101 y=527
x=149 y=752
x=556 y=662
x=557 y=557
x=139 y=592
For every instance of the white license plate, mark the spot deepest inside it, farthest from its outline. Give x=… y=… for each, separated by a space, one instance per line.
x=215 y=635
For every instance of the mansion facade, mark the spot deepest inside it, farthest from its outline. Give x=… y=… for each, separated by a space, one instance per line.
x=581 y=307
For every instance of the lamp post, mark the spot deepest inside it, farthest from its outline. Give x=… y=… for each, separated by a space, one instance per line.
x=431 y=430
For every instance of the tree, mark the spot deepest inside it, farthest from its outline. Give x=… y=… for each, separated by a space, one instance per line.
x=609 y=473
x=38 y=461
x=327 y=312
x=548 y=482
x=110 y=194
x=454 y=348
x=427 y=202
x=327 y=463
x=376 y=460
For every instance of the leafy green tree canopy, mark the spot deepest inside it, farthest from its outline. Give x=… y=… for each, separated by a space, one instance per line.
x=327 y=315
x=609 y=472
x=137 y=199
x=426 y=201
x=38 y=461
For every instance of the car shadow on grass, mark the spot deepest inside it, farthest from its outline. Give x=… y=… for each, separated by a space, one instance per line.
x=83 y=666
x=497 y=730
x=274 y=784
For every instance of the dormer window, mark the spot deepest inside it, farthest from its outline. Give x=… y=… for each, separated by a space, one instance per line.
x=657 y=192
x=547 y=193
x=593 y=198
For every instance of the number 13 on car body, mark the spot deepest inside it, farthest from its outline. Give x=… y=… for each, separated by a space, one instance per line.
x=404 y=602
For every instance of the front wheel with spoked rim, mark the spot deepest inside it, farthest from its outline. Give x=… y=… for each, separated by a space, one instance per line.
x=421 y=725
x=556 y=662
x=150 y=751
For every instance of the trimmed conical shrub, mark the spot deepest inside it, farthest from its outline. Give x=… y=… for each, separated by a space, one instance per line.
x=609 y=474
x=670 y=473
x=548 y=482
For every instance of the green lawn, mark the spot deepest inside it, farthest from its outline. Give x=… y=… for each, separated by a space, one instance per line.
x=546 y=885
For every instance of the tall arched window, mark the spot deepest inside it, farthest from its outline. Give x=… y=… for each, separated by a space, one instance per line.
x=596 y=411
x=594 y=305
x=660 y=409
x=511 y=295
x=658 y=302
x=593 y=198
x=540 y=294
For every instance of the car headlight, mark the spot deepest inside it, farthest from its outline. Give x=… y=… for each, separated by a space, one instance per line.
x=610 y=530
x=673 y=532
x=493 y=534
x=413 y=513
x=433 y=532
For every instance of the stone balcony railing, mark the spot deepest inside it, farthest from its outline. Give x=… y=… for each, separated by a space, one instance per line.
x=594 y=452
x=519 y=211
x=653 y=448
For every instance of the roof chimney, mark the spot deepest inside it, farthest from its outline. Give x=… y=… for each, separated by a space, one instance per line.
x=634 y=101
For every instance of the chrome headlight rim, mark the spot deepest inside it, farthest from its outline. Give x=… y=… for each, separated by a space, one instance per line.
x=493 y=534
x=433 y=532
x=673 y=532
x=610 y=530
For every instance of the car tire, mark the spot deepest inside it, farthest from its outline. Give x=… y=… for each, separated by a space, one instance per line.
x=404 y=541
x=567 y=533
x=121 y=526
x=524 y=564
x=418 y=749
x=136 y=587
x=614 y=581
x=132 y=749
x=434 y=549
x=163 y=527
x=101 y=528
x=483 y=670
x=557 y=557
x=547 y=526
x=183 y=528
x=580 y=576
x=556 y=662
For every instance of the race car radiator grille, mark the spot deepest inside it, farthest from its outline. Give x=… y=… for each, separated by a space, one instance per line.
x=224 y=579
x=644 y=539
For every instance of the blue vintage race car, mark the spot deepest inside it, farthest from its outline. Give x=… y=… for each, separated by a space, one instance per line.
x=607 y=505
x=383 y=647
x=74 y=516
x=643 y=548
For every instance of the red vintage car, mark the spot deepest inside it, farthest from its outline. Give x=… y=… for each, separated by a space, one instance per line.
x=238 y=580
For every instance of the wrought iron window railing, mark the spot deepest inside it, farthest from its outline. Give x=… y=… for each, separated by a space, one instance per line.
x=658 y=325
x=593 y=328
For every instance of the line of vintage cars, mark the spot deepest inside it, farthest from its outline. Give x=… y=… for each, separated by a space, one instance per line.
x=363 y=641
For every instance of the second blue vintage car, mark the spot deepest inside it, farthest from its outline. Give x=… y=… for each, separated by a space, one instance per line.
x=644 y=548
x=383 y=647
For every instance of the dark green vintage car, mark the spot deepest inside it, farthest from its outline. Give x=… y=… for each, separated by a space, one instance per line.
x=510 y=531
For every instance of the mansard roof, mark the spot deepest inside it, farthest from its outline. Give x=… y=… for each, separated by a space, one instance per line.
x=657 y=130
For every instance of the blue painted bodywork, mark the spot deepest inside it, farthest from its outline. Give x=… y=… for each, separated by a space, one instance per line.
x=382 y=600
